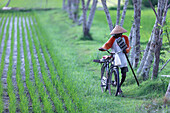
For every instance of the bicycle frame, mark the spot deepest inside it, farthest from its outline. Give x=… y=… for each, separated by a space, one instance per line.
x=109 y=67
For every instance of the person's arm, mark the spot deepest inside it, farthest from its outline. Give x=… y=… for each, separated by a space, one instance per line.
x=109 y=43
x=127 y=43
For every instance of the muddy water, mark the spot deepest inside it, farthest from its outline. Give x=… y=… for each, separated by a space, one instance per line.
x=2 y=25
x=14 y=81
x=3 y=38
x=5 y=95
x=5 y=70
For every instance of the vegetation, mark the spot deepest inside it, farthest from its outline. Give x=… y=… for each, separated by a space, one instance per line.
x=54 y=68
x=77 y=55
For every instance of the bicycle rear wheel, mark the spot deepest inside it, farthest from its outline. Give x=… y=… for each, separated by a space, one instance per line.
x=116 y=74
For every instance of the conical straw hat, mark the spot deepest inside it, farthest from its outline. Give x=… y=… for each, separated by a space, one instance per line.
x=117 y=30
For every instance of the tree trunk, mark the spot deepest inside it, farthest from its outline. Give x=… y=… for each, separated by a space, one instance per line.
x=130 y=35
x=70 y=9
x=85 y=31
x=75 y=10
x=109 y=20
x=150 y=56
x=167 y=95
x=133 y=40
x=124 y=12
x=146 y=52
x=64 y=4
x=137 y=16
x=162 y=15
x=156 y=60
x=91 y=15
x=7 y=3
x=118 y=12
x=81 y=17
x=154 y=47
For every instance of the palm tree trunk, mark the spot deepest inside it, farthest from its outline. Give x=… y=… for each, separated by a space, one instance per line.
x=109 y=20
x=91 y=15
x=81 y=17
x=124 y=12
x=118 y=12
x=85 y=31
x=146 y=52
x=137 y=16
x=64 y=4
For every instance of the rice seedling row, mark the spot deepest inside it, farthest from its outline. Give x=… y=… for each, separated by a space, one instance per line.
x=45 y=72
x=50 y=90
x=4 y=98
x=23 y=99
x=29 y=87
x=39 y=83
x=2 y=29
x=68 y=87
x=9 y=54
x=29 y=81
x=56 y=80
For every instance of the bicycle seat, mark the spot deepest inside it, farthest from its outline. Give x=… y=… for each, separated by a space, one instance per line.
x=107 y=57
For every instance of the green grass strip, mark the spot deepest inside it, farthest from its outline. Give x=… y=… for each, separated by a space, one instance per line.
x=31 y=88
x=3 y=26
x=47 y=81
x=12 y=98
x=2 y=67
x=23 y=98
x=58 y=84
x=40 y=86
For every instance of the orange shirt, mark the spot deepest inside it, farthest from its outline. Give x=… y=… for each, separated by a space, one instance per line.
x=110 y=42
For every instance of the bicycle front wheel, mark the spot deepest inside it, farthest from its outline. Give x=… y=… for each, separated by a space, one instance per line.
x=105 y=79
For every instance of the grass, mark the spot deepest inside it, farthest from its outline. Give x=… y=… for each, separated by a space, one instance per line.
x=63 y=40
x=3 y=3
x=35 y=4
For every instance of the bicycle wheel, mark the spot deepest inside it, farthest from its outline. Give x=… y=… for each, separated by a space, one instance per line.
x=109 y=82
x=105 y=79
x=116 y=74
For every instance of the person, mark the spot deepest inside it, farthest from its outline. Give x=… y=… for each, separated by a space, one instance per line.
x=112 y=43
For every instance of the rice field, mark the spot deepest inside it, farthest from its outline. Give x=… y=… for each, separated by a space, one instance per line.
x=29 y=80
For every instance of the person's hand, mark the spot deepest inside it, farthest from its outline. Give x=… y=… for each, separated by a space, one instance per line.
x=102 y=49
x=127 y=50
x=124 y=51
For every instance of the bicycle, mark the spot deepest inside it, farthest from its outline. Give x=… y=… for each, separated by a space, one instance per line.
x=108 y=68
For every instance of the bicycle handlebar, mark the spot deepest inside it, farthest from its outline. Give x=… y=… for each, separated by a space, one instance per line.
x=102 y=49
